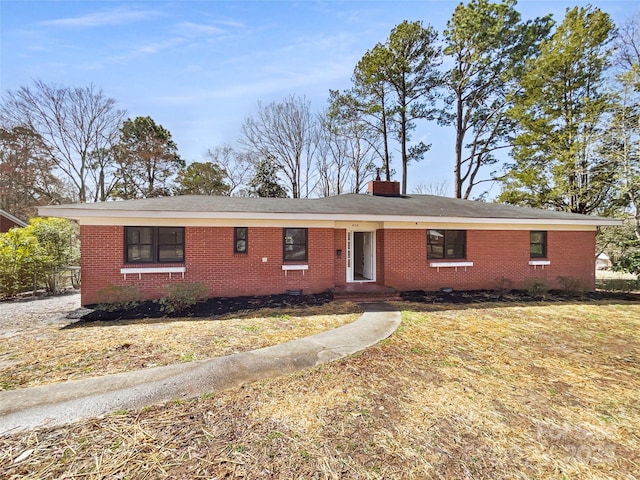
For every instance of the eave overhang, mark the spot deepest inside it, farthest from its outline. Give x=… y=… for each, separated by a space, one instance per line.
x=106 y=217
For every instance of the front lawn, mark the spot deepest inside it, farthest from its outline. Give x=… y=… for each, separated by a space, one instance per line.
x=498 y=391
x=50 y=353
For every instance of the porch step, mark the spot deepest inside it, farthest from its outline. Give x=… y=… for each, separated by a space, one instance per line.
x=365 y=292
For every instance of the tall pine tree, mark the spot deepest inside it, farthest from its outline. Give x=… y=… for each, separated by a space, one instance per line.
x=559 y=112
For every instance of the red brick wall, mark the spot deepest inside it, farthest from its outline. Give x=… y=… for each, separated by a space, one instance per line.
x=380 y=235
x=495 y=254
x=6 y=224
x=340 y=264
x=381 y=187
x=401 y=261
x=209 y=258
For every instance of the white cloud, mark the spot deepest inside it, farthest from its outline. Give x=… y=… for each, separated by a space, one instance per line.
x=103 y=18
x=198 y=29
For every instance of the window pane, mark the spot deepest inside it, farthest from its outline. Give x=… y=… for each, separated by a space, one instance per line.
x=240 y=239
x=537 y=237
x=170 y=253
x=435 y=243
x=146 y=235
x=538 y=244
x=170 y=236
x=295 y=244
x=536 y=250
x=446 y=244
x=455 y=243
x=139 y=253
x=170 y=244
x=295 y=252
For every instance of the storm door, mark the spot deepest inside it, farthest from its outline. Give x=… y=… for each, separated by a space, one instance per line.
x=361 y=264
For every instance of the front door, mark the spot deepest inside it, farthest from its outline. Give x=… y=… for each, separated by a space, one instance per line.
x=360 y=257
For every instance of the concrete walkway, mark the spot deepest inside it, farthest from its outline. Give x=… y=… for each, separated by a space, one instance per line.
x=66 y=402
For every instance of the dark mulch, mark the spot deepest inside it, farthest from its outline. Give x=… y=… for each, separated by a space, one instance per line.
x=483 y=296
x=215 y=307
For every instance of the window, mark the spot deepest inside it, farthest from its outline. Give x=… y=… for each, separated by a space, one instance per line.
x=154 y=244
x=446 y=244
x=294 y=243
x=538 y=244
x=240 y=239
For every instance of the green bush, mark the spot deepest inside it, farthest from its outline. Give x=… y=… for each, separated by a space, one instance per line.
x=178 y=297
x=57 y=248
x=620 y=285
x=118 y=297
x=536 y=287
x=629 y=262
x=39 y=252
x=18 y=261
x=572 y=285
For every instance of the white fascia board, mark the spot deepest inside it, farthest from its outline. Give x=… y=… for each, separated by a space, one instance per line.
x=15 y=220
x=98 y=217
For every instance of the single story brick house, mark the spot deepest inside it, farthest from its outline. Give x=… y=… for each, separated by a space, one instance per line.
x=8 y=221
x=259 y=246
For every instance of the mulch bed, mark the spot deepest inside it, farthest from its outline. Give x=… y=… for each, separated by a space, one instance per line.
x=483 y=296
x=215 y=307
x=212 y=307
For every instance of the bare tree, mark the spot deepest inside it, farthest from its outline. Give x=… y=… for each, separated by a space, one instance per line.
x=73 y=124
x=332 y=160
x=622 y=138
x=351 y=146
x=287 y=133
x=238 y=168
x=628 y=45
x=432 y=188
x=26 y=178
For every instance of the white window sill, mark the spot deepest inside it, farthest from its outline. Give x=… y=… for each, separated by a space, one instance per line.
x=287 y=268
x=539 y=263
x=140 y=270
x=456 y=265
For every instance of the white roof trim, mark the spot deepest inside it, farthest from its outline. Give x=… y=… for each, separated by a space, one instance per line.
x=79 y=214
x=15 y=220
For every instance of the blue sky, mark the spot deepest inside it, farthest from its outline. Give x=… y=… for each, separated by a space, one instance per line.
x=200 y=67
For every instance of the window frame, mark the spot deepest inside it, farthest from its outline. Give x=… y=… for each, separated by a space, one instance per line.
x=155 y=245
x=237 y=237
x=445 y=243
x=284 y=245
x=543 y=244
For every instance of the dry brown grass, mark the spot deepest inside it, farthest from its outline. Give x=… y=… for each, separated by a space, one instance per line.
x=54 y=353
x=493 y=391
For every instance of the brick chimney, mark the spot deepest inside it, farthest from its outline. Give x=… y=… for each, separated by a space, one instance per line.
x=384 y=188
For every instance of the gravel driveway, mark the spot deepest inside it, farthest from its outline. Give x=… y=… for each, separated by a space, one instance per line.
x=20 y=315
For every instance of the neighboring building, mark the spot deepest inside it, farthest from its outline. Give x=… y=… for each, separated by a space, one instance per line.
x=603 y=262
x=258 y=246
x=8 y=221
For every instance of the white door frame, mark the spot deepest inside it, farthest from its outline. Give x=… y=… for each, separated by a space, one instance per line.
x=369 y=256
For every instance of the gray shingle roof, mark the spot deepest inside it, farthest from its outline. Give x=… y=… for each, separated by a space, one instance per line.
x=352 y=205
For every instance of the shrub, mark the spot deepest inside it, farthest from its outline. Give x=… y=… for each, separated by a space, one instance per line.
x=503 y=285
x=629 y=262
x=57 y=249
x=41 y=251
x=178 y=297
x=18 y=254
x=536 y=287
x=118 y=297
x=572 y=285
x=620 y=285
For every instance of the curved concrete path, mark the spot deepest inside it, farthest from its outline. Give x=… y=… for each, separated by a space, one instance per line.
x=67 y=402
